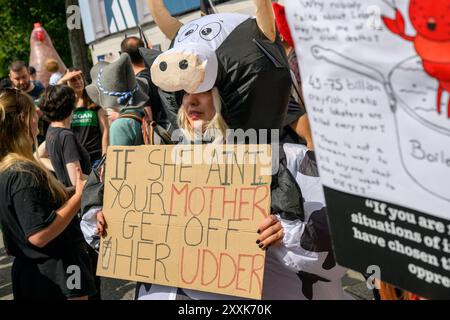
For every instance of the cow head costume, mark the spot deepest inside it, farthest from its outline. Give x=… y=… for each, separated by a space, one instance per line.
x=241 y=56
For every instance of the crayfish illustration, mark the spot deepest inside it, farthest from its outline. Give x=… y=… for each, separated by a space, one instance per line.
x=431 y=19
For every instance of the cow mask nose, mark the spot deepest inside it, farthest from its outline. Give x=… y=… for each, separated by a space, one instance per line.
x=163 y=66
x=184 y=64
x=431 y=24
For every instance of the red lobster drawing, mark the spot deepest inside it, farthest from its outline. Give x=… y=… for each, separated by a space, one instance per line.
x=431 y=20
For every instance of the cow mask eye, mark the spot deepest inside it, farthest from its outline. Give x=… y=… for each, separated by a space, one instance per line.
x=210 y=31
x=188 y=32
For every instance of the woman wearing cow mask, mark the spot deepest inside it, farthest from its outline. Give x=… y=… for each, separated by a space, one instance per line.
x=254 y=83
x=299 y=261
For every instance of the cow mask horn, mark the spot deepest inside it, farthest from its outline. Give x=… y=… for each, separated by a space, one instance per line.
x=168 y=24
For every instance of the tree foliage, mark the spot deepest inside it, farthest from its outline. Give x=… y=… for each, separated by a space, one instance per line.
x=17 y=20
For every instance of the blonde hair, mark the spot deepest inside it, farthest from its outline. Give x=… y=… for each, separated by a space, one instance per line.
x=51 y=65
x=216 y=128
x=16 y=141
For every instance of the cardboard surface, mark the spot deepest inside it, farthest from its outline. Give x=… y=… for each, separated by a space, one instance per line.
x=175 y=220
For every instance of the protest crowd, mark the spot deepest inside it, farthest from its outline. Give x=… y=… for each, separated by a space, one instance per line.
x=54 y=139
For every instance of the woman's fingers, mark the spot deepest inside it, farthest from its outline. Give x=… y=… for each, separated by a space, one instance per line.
x=100 y=230
x=274 y=239
x=268 y=222
x=271 y=235
x=68 y=76
x=76 y=74
x=101 y=224
x=72 y=74
x=270 y=232
x=101 y=218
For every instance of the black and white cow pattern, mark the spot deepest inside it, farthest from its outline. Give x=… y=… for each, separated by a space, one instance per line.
x=307 y=248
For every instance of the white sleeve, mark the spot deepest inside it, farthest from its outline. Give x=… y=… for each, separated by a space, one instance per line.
x=297 y=259
x=88 y=226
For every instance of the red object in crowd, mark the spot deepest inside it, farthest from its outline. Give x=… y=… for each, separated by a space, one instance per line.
x=282 y=24
x=41 y=50
x=39 y=32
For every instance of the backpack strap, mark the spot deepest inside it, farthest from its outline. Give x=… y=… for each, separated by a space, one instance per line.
x=163 y=134
x=141 y=122
x=150 y=129
x=131 y=116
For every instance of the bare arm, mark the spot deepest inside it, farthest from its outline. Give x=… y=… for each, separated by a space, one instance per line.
x=64 y=216
x=69 y=75
x=303 y=130
x=72 y=168
x=42 y=155
x=104 y=128
x=266 y=18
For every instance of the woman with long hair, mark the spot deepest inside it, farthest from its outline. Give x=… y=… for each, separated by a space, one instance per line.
x=200 y=118
x=90 y=122
x=37 y=214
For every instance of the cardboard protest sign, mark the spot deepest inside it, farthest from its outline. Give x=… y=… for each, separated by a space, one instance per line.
x=187 y=216
x=375 y=78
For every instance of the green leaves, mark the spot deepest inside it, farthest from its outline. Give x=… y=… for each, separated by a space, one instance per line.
x=17 y=19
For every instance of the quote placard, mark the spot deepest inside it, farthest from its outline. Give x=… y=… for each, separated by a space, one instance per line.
x=374 y=76
x=187 y=216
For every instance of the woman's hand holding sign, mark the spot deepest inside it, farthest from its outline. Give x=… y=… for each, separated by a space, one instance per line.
x=101 y=224
x=270 y=232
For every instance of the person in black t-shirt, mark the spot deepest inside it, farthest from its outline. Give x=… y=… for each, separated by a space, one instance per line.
x=64 y=150
x=37 y=214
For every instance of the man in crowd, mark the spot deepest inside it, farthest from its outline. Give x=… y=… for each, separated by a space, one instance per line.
x=20 y=78
x=33 y=76
x=131 y=46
